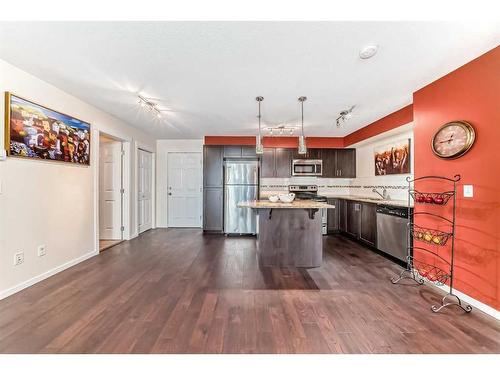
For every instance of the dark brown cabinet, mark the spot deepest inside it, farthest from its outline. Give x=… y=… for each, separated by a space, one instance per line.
x=368 y=224
x=283 y=162
x=267 y=163
x=239 y=151
x=213 y=166
x=312 y=153
x=232 y=151
x=353 y=216
x=329 y=156
x=346 y=163
x=276 y=162
x=213 y=192
x=213 y=209
x=342 y=215
x=333 y=216
x=248 y=152
x=339 y=163
x=358 y=219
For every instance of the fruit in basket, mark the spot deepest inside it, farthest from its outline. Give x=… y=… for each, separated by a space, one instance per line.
x=436 y=240
x=438 y=200
x=429 y=199
x=428 y=236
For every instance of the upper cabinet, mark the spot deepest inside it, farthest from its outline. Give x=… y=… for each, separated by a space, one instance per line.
x=329 y=163
x=276 y=162
x=283 y=162
x=346 y=162
x=213 y=166
x=248 y=152
x=232 y=151
x=312 y=153
x=339 y=163
x=267 y=165
x=239 y=152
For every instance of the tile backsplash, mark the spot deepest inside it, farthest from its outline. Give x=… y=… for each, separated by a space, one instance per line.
x=396 y=186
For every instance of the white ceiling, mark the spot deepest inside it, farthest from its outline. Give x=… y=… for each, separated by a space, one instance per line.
x=208 y=73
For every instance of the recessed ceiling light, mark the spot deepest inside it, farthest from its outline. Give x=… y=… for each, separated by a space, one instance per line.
x=368 y=51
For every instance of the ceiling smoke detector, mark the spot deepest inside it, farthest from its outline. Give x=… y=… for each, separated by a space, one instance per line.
x=368 y=51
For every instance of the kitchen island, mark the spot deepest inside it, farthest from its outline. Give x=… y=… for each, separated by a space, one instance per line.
x=290 y=234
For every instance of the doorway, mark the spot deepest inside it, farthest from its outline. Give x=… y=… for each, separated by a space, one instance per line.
x=110 y=191
x=184 y=199
x=144 y=190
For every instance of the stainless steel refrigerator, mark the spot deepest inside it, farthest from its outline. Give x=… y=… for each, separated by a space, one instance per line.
x=241 y=184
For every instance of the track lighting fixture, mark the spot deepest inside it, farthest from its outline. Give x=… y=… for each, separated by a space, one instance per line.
x=150 y=105
x=344 y=116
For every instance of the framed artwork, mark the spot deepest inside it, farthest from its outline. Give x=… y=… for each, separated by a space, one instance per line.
x=37 y=132
x=393 y=158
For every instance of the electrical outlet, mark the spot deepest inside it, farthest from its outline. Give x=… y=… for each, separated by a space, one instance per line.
x=42 y=250
x=18 y=258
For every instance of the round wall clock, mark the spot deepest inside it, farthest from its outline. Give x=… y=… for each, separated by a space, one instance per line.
x=453 y=139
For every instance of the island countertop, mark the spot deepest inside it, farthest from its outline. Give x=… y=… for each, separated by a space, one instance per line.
x=298 y=203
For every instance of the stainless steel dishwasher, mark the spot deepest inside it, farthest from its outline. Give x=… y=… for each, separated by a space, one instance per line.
x=391 y=230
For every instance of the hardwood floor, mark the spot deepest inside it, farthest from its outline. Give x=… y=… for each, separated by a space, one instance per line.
x=179 y=291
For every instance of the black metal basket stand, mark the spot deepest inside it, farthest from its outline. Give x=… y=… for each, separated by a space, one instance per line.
x=418 y=270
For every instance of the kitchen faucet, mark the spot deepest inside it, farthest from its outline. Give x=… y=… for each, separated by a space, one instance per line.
x=384 y=194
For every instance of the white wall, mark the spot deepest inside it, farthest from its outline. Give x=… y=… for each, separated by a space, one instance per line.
x=365 y=180
x=51 y=203
x=163 y=147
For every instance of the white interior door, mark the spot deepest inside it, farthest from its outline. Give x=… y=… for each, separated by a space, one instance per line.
x=110 y=191
x=184 y=189
x=145 y=214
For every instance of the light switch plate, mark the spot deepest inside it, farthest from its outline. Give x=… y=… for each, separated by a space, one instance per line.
x=468 y=191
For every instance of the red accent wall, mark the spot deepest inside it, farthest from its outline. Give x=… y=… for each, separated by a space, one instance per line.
x=470 y=93
x=394 y=120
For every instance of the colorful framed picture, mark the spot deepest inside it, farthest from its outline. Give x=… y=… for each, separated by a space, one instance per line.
x=37 y=132
x=393 y=158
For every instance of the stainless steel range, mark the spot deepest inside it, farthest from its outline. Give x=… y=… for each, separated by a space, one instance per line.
x=310 y=192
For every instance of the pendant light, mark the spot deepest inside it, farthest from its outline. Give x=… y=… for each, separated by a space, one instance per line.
x=302 y=140
x=259 y=148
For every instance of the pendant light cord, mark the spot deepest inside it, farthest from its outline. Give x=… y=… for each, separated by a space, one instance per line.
x=302 y=104
x=260 y=134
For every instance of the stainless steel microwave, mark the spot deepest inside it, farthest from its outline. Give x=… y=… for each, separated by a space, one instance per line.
x=307 y=167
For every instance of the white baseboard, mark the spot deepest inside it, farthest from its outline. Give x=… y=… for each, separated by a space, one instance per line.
x=10 y=291
x=471 y=301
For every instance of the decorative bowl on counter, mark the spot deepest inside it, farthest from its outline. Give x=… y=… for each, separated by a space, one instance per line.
x=287 y=198
x=273 y=198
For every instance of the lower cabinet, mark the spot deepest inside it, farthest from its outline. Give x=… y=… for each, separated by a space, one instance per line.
x=213 y=209
x=357 y=219
x=333 y=216
x=342 y=215
x=353 y=216
x=368 y=224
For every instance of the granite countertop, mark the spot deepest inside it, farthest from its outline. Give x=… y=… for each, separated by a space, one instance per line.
x=390 y=202
x=298 y=203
